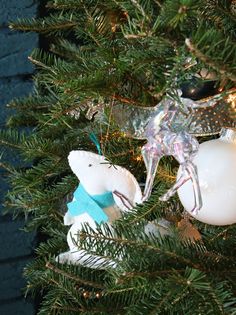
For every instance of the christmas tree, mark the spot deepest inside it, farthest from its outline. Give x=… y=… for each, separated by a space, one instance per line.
x=112 y=65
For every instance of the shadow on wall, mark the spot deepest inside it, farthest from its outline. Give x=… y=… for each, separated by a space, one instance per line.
x=16 y=247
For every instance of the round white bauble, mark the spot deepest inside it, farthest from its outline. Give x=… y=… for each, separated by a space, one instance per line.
x=216 y=165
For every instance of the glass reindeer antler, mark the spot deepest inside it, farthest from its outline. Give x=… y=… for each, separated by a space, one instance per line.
x=163 y=141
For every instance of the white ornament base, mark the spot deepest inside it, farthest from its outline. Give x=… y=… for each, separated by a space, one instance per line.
x=216 y=164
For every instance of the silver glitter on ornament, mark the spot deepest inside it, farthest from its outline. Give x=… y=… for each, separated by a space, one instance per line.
x=210 y=120
x=91 y=108
x=200 y=118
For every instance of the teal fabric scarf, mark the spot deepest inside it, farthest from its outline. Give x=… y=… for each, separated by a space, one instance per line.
x=93 y=205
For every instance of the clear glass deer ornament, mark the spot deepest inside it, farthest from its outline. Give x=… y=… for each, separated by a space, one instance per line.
x=163 y=140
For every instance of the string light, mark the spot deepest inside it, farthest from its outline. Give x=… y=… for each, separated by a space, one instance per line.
x=86 y=294
x=232 y=100
x=138 y=158
x=98 y=295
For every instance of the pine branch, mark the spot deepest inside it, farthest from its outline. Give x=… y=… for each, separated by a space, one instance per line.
x=224 y=70
x=40 y=64
x=75 y=278
x=61 y=5
x=138 y=244
x=106 y=53
x=50 y=24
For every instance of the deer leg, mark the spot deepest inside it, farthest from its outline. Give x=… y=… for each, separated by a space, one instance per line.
x=151 y=160
x=182 y=179
x=192 y=171
x=126 y=202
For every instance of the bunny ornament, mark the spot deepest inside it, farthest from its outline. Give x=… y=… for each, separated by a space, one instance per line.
x=104 y=192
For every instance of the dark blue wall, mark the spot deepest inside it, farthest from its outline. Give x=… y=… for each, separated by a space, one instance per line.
x=16 y=247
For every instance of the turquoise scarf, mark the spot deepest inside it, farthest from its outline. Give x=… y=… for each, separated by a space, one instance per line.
x=93 y=205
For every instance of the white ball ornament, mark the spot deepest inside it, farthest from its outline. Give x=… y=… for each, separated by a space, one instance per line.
x=216 y=165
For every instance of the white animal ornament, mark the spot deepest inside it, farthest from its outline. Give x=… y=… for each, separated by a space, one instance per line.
x=104 y=191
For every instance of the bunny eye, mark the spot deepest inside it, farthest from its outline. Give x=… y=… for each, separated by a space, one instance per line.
x=90 y=165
